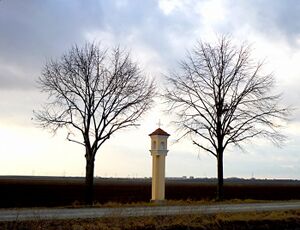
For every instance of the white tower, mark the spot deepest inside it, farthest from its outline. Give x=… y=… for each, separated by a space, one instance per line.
x=159 y=152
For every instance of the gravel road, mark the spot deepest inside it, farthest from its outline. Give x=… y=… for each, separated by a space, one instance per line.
x=74 y=213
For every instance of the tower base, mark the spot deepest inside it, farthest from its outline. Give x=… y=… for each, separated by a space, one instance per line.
x=158 y=201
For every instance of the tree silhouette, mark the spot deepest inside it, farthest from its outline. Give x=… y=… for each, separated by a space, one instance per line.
x=93 y=93
x=222 y=97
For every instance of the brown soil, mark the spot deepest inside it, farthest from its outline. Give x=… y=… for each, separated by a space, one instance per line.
x=49 y=192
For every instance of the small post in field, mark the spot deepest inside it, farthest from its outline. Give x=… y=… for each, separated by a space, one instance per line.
x=159 y=152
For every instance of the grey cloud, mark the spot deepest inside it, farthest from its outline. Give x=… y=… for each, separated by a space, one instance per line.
x=153 y=28
x=32 y=31
x=274 y=18
x=13 y=81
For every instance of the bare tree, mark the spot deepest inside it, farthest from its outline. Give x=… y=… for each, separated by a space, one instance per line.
x=222 y=97
x=93 y=93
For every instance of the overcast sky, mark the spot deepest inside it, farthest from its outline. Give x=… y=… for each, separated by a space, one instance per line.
x=158 y=34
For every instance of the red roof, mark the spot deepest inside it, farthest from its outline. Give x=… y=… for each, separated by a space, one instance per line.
x=159 y=132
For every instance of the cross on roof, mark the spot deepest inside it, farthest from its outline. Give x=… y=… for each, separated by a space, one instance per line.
x=159 y=123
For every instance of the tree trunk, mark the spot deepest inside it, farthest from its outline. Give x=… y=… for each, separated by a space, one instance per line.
x=89 y=180
x=220 y=188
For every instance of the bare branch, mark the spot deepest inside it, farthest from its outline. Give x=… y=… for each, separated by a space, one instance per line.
x=95 y=92
x=220 y=96
x=77 y=142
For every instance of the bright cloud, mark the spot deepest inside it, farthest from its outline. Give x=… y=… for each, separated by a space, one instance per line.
x=167 y=6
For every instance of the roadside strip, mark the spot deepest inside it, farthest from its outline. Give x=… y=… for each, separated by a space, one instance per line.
x=85 y=213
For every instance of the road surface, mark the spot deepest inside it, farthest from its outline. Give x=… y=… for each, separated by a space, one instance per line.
x=74 y=213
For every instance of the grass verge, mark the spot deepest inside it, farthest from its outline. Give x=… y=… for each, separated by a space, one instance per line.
x=77 y=204
x=259 y=220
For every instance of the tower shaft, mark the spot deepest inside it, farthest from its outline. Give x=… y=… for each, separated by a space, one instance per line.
x=158 y=152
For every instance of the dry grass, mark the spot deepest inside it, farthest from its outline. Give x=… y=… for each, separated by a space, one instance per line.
x=261 y=220
x=188 y=202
